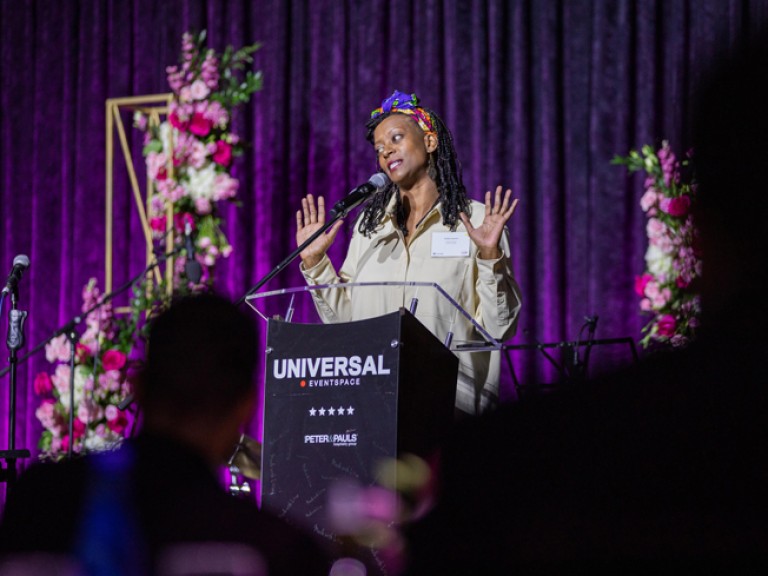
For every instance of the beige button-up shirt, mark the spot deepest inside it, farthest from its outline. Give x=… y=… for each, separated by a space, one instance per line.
x=486 y=289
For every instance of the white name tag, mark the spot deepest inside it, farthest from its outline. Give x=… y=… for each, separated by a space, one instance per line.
x=450 y=244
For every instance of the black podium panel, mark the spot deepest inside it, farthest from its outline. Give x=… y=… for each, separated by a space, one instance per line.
x=341 y=398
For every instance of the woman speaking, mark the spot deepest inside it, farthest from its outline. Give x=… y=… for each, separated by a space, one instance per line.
x=422 y=227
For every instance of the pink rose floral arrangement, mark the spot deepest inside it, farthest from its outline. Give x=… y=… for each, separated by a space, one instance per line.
x=668 y=286
x=189 y=159
x=101 y=383
x=189 y=156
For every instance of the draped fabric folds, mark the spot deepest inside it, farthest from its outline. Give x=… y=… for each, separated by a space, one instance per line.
x=539 y=95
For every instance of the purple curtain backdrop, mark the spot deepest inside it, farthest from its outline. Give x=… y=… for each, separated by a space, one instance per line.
x=539 y=95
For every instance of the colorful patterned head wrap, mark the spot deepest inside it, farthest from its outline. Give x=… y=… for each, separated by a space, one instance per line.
x=405 y=104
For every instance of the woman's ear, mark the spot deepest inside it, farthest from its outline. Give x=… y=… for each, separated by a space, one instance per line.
x=430 y=141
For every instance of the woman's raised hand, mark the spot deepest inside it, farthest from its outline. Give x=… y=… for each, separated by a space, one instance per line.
x=486 y=236
x=309 y=220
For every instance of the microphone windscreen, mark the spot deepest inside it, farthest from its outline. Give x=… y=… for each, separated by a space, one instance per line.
x=21 y=260
x=379 y=180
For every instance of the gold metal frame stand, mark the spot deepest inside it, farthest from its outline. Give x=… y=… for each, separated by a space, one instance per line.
x=153 y=106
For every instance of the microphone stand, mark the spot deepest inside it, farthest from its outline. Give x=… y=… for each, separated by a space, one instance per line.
x=579 y=368
x=71 y=333
x=338 y=212
x=351 y=201
x=541 y=348
x=72 y=337
x=592 y=327
x=15 y=341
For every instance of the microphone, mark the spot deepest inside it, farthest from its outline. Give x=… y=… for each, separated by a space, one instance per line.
x=579 y=367
x=20 y=263
x=192 y=267
x=125 y=402
x=359 y=195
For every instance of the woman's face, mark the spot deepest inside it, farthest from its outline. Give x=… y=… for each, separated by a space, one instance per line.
x=402 y=149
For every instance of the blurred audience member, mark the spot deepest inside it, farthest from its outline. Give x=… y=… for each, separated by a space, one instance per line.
x=662 y=466
x=156 y=505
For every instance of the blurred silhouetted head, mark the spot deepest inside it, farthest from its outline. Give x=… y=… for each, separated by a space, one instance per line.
x=201 y=358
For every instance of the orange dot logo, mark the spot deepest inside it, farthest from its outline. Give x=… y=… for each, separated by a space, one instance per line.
x=303 y=383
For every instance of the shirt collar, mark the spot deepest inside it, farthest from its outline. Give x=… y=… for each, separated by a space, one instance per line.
x=389 y=211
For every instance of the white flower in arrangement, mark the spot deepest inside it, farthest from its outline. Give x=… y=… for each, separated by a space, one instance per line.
x=200 y=182
x=659 y=261
x=83 y=382
x=82 y=379
x=101 y=439
x=94 y=442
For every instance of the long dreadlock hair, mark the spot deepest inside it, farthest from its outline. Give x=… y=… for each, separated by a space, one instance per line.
x=447 y=175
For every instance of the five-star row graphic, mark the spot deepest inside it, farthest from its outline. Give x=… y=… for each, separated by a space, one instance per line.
x=331 y=411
